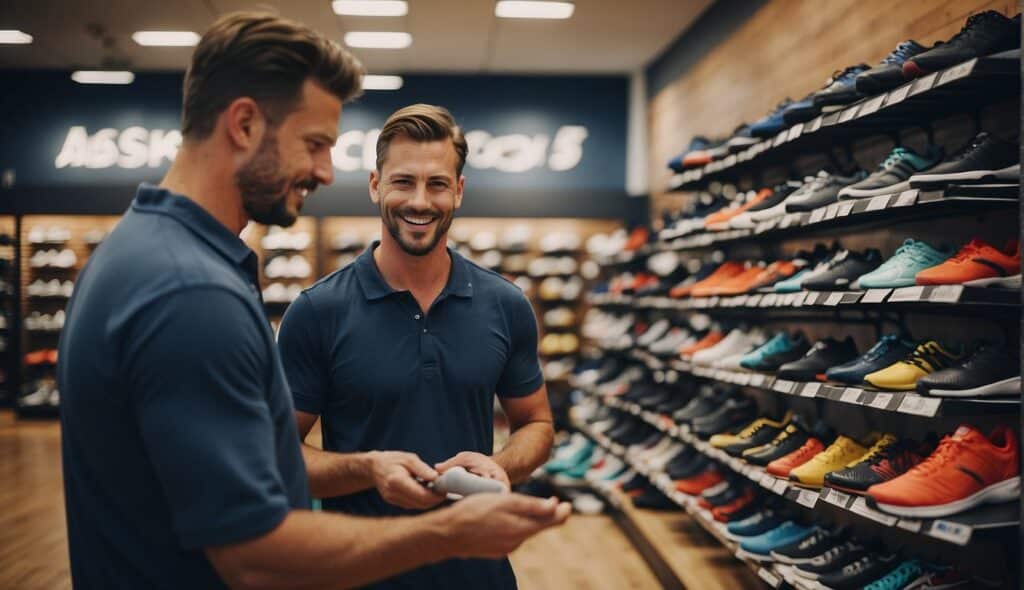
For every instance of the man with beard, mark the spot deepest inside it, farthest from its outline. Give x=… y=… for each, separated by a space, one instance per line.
x=401 y=353
x=182 y=464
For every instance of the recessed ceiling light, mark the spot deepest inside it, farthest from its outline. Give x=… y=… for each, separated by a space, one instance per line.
x=378 y=40
x=533 y=9
x=370 y=7
x=102 y=77
x=378 y=82
x=166 y=38
x=14 y=37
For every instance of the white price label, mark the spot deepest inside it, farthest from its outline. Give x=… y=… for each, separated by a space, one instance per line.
x=878 y=203
x=834 y=299
x=907 y=294
x=881 y=401
x=946 y=293
x=898 y=95
x=817 y=215
x=851 y=395
x=783 y=386
x=780 y=487
x=958 y=72
x=779 y=139
x=838 y=498
x=769 y=578
x=913 y=526
x=953 y=532
x=872 y=105
x=810 y=389
x=807 y=498
x=800 y=298
x=757 y=380
x=860 y=507
x=849 y=114
x=906 y=198
x=831 y=211
x=920 y=406
x=875 y=295
x=845 y=208
x=753 y=300
x=795 y=131
x=769 y=300
x=924 y=84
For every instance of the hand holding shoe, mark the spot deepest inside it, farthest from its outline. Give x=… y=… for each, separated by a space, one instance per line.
x=494 y=525
x=395 y=476
x=477 y=463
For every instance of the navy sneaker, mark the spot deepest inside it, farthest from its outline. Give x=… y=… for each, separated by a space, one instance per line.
x=841 y=89
x=984 y=33
x=845 y=268
x=803 y=551
x=741 y=139
x=888 y=350
x=801 y=111
x=772 y=123
x=689 y=159
x=756 y=524
x=888 y=74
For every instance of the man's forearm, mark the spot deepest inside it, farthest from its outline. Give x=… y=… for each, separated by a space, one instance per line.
x=527 y=449
x=323 y=550
x=337 y=474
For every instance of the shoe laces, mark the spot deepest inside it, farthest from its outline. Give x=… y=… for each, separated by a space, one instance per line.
x=880 y=450
x=928 y=357
x=949 y=448
x=896 y=156
x=900 y=54
x=968 y=251
x=836 y=451
x=751 y=430
x=976 y=142
x=917 y=251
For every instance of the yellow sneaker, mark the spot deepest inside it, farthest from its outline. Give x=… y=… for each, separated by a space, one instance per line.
x=903 y=375
x=840 y=453
x=759 y=427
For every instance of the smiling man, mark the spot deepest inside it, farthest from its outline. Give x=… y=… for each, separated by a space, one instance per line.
x=402 y=352
x=182 y=463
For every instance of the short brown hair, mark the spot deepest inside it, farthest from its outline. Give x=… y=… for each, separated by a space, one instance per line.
x=266 y=57
x=422 y=122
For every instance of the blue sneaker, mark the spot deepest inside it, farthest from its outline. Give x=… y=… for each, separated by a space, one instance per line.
x=888 y=350
x=893 y=174
x=899 y=271
x=801 y=111
x=898 y=578
x=772 y=123
x=779 y=350
x=757 y=524
x=577 y=451
x=741 y=139
x=697 y=144
x=792 y=284
x=759 y=548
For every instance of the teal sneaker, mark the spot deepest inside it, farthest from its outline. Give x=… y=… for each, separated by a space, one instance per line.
x=792 y=284
x=893 y=174
x=898 y=578
x=760 y=548
x=780 y=349
x=900 y=270
x=570 y=455
x=577 y=473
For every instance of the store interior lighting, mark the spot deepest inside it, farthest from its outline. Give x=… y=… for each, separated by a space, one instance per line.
x=378 y=39
x=14 y=37
x=166 y=38
x=102 y=77
x=379 y=82
x=370 y=7
x=533 y=9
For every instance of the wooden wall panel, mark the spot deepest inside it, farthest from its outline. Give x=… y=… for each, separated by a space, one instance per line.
x=789 y=48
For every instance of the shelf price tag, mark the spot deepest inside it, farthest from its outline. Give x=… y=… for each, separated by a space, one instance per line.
x=769 y=300
x=815 y=124
x=845 y=208
x=875 y=295
x=898 y=95
x=911 y=525
x=860 y=507
x=831 y=211
x=836 y=497
x=810 y=390
x=919 y=405
x=807 y=498
x=953 y=532
x=881 y=401
x=871 y=105
x=798 y=301
x=946 y=294
x=779 y=139
x=783 y=386
x=849 y=114
x=924 y=84
x=769 y=578
x=878 y=203
x=780 y=487
x=851 y=395
x=753 y=300
x=906 y=198
x=795 y=131
x=757 y=380
x=817 y=215
x=907 y=294
x=957 y=72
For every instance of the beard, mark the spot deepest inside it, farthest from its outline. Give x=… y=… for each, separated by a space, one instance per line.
x=392 y=223
x=265 y=186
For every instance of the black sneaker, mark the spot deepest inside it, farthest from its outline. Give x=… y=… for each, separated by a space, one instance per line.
x=893 y=174
x=845 y=268
x=731 y=415
x=820 y=541
x=824 y=190
x=735 y=489
x=888 y=74
x=985 y=159
x=792 y=438
x=832 y=560
x=992 y=370
x=888 y=459
x=706 y=402
x=984 y=33
x=841 y=89
x=652 y=499
x=823 y=355
x=762 y=434
x=689 y=468
x=860 y=573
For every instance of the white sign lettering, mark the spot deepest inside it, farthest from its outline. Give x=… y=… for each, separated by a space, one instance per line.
x=138 y=147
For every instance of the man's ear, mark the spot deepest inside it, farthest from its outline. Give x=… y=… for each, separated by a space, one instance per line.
x=459 y=188
x=375 y=187
x=244 y=123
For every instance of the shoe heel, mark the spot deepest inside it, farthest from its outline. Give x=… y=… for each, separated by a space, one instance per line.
x=1006 y=491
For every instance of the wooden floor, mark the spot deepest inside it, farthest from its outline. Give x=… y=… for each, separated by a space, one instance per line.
x=587 y=553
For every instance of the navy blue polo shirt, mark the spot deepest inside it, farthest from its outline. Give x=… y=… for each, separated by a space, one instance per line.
x=383 y=375
x=178 y=427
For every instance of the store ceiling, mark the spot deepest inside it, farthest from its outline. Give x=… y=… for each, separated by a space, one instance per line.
x=603 y=36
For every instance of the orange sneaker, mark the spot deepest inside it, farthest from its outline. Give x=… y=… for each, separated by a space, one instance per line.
x=710 y=339
x=783 y=465
x=977 y=264
x=740 y=283
x=719 y=220
x=637 y=238
x=693 y=486
x=966 y=470
x=725 y=512
x=723 y=273
x=773 y=273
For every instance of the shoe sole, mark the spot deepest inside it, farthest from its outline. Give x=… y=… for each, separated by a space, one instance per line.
x=1009 y=386
x=845 y=490
x=753 y=556
x=850 y=193
x=934 y=181
x=1010 y=282
x=1005 y=491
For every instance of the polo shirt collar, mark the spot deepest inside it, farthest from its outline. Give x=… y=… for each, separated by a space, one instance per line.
x=374 y=286
x=153 y=199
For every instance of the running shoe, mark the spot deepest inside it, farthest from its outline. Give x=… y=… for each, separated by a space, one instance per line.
x=898 y=578
x=723 y=273
x=844 y=268
x=824 y=354
x=760 y=548
x=756 y=524
x=772 y=123
x=912 y=257
x=832 y=560
x=888 y=74
x=841 y=89
x=985 y=159
x=991 y=370
x=695 y=154
x=977 y=264
x=710 y=339
x=794 y=436
x=926 y=359
x=966 y=470
x=843 y=451
x=888 y=459
x=781 y=349
x=857 y=574
x=983 y=34
x=824 y=191
x=885 y=352
x=758 y=433
x=893 y=174
x=694 y=486
x=785 y=465
x=805 y=550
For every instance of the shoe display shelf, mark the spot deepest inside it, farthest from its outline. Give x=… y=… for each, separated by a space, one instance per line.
x=288 y=261
x=859 y=214
x=52 y=250
x=957 y=529
x=970 y=85
x=768 y=573
x=8 y=311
